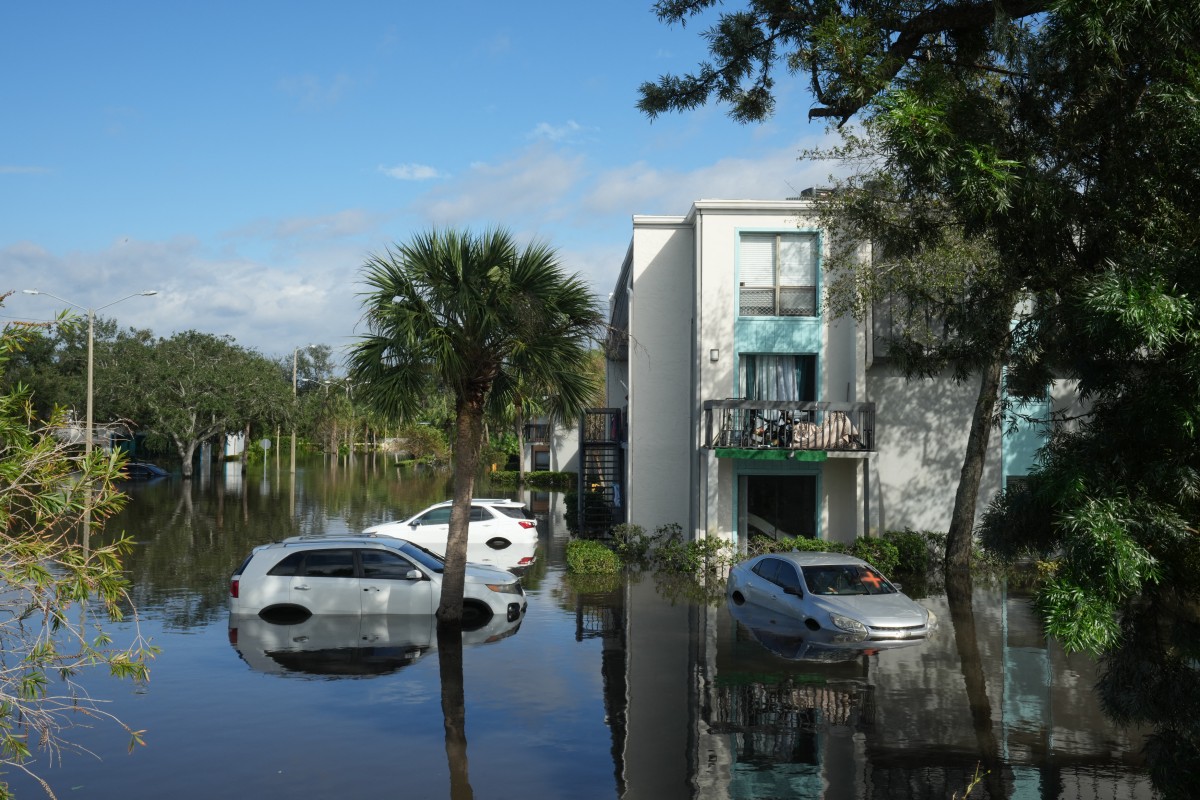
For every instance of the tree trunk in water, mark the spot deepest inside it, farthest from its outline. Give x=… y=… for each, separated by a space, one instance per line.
x=966 y=641
x=186 y=450
x=454 y=710
x=468 y=441
x=960 y=537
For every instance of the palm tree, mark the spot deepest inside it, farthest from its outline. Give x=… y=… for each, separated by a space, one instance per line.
x=482 y=317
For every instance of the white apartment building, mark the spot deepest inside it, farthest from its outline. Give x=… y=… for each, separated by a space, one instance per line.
x=745 y=408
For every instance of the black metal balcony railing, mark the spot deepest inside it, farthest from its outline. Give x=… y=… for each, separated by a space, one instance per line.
x=537 y=433
x=788 y=425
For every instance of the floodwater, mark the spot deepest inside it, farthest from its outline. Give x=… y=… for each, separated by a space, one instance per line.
x=632 y=688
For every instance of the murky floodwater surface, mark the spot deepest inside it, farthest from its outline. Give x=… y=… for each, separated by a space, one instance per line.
x=634 y=688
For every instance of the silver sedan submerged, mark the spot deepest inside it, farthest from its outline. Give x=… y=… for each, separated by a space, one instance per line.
x=830 y=591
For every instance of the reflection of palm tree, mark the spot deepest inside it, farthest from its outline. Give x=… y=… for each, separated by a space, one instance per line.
x=962 y=615
x=454 y=709
x=481 y=318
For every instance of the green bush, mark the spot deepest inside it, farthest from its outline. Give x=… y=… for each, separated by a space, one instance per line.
x=913 y=550
x=538 y=479
x=631 y=542
x=761 y=544
x=589 y=557
x=669 y=552
x=880 y=553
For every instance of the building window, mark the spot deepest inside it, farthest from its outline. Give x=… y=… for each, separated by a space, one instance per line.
x=777 y=377
x=778 y=275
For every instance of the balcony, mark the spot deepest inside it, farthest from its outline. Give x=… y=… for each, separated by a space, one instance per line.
x=768 y=429
x=537 y=433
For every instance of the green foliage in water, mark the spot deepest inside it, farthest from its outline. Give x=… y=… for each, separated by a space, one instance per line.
x=589 y=557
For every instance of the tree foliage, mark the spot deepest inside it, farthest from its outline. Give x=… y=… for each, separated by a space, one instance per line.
x=1065 y=138
x=194 y=387
x=487 y=320
x=56 y=593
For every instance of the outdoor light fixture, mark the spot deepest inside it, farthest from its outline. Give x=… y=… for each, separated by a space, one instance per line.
x=714 y=355
x=87 y=442
x=295 y=354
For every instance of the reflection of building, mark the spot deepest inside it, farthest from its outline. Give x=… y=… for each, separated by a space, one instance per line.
x=912 y=722
x=748 y=409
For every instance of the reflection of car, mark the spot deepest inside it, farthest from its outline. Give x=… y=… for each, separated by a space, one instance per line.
x=143 y=471
x=496 y=525
x=790 y=638
x=830 y=591
x=360 y=574
x=517 y=557
x=350 y=645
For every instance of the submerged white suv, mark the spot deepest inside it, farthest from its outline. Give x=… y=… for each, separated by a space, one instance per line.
x=496 y=524
x=364 y=575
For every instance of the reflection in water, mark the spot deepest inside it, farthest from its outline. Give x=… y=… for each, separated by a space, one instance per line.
x=344 y=646
x=908 y=722
x=794 y=641
x=636 y=687
x=962 y=617
x=454 y=709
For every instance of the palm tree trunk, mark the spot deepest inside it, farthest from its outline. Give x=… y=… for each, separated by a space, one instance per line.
x=520 y=447
x=468 y=443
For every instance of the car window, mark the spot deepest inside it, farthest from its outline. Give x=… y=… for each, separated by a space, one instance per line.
x=479 y=514
x=288 y=566
x=787 y=577
x=426 y=558
x=846 y=579
x=436 y=516
x=516 y=512
x=767 y=568
x=384 y=565
x=329 y=564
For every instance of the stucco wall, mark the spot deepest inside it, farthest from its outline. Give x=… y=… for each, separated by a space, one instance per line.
x=921 y=436
x=661 y=444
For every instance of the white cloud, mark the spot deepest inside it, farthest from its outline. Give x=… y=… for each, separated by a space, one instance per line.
x=556 y=133
x=412 y=172
x=272 y=307
x=275 y=284
x=534 y=185
x=346 y=224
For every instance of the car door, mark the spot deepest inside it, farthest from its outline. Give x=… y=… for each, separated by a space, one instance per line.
x=760 y=586
x=777 y=586
x=327 y=582
x=431 y=529
x=791 y=600
x=388 y=588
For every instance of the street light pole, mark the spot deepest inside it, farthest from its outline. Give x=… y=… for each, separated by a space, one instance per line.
x=87 y=431
x=295 y=354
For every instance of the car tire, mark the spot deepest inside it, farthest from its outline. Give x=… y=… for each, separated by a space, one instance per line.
x=498 y=543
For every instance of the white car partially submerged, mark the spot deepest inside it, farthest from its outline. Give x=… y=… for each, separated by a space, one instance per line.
x=501 y=532
x=364 y=575
x=830 y=592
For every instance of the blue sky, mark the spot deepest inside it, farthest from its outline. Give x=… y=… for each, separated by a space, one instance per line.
x=244 y=159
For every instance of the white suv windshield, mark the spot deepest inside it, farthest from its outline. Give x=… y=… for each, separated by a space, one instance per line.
x=422 y=556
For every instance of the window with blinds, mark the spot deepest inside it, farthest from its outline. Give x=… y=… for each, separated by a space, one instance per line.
x=778 y=275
